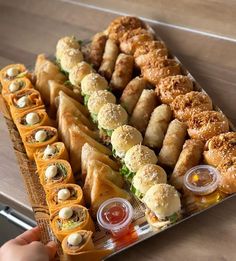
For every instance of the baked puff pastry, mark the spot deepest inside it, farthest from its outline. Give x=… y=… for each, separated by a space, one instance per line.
x=172 y=86
x=148 y=47
x=220 y=147
x=227 y=169
x=206 y=124
x=190 y=103
x=121 y=25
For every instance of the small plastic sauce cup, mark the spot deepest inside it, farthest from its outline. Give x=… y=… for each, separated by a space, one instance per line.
x=115 y=215
x=202 y=179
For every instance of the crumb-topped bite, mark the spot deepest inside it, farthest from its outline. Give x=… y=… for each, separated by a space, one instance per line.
x=65 y=43
x=70 y=58
x=78 y=72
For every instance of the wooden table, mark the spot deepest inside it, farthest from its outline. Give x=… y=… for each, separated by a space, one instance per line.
x=28 y=28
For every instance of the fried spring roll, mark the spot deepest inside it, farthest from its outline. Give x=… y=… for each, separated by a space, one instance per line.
x=97 y=49
x=30 y=120
x=189 y=157
x=172 y=144
x=143 y=109
x=54 y=173
x=157 y=126
x=123 y=72
x=77 y=219
x=63 y=195
x=109 y=58
x=53 y=151
x=131 y=93
x=38 y=138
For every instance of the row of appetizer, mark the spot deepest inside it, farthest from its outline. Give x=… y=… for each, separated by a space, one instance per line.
x=70 y=220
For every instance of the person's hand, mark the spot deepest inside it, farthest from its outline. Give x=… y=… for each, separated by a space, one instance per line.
x=26 y=247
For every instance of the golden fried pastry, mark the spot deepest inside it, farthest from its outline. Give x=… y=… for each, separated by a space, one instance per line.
x=97 y=49
x=156 y=54
x=172 y=86
x=206 y=124
x=189 y=157
x=123 y=72
x=143 y=110
x=227 y=169
x=149 y=47
x=154 y=71
x=220 y=147
x=121 y=25
x=186 y=105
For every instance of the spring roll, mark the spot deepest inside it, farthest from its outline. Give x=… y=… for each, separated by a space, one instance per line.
x=97 y=49
x=54 y=173
x=39 y=138
x=131 y=93
x=157 y=126
x=77 y=139
x=109 y=58
x=143 y=109
x=123 y=72
x=30 y=120
x=63 y=195
x=15 y=86
x=53 y=151
x=172 y=144
x=24 y=101
x=75 y=243
x=91 y=153
x=189 y=157
x=69 y=220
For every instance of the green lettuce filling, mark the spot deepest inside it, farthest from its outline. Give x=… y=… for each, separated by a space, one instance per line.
x=94 y=117
x=126 y=173
x=86 y=98
x=136 y=192
x=173 y=218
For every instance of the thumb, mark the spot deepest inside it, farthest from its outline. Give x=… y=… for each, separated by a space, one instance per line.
x=51 y=248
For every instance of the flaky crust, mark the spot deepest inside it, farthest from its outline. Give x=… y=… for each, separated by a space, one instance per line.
x=148 y=47
x=172 y=86
x=153 y=55
x=220 y=147
x=184 y=106
x=227 y=169
x=206 y=124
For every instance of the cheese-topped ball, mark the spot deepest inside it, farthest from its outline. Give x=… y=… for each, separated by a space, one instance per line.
x=49 y=151
x=40 y=135
x=98 y=99
x=163 y=200
x=63 y=194
x=138 y=156
x=125 y=137
x=74 y=239
x=51 y=172
x=14 y=86
x=78 y=72
x=23 y=102
x=93 y=82
x=65 y=43
x=70 y=58
x=112 y=116
x=12 y=72
x=147 y=176
x=32 y=118
x=65 y=213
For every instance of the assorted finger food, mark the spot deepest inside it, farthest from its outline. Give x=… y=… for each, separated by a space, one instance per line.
x=123 y=121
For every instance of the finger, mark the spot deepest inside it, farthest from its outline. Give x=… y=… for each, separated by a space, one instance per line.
x=51 y=248
x=28 y=236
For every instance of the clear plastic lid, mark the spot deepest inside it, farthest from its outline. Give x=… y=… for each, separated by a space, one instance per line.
x=202 y=179
x=115 y=214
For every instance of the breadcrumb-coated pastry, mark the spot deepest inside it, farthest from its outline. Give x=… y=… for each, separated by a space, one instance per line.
x=189 y=157
x=121 y=25
x=227 y=169
x=70 y=58
x=172 y=86
x=220 y=147
x=148 y=47
x=123 y=72
x=93 y=82
x=78 y=72
x=185 y=105
x=65 y=43
x=97 y=49
x=206 y=124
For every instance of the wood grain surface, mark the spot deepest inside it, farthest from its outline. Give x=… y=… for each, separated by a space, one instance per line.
x=30 y=27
